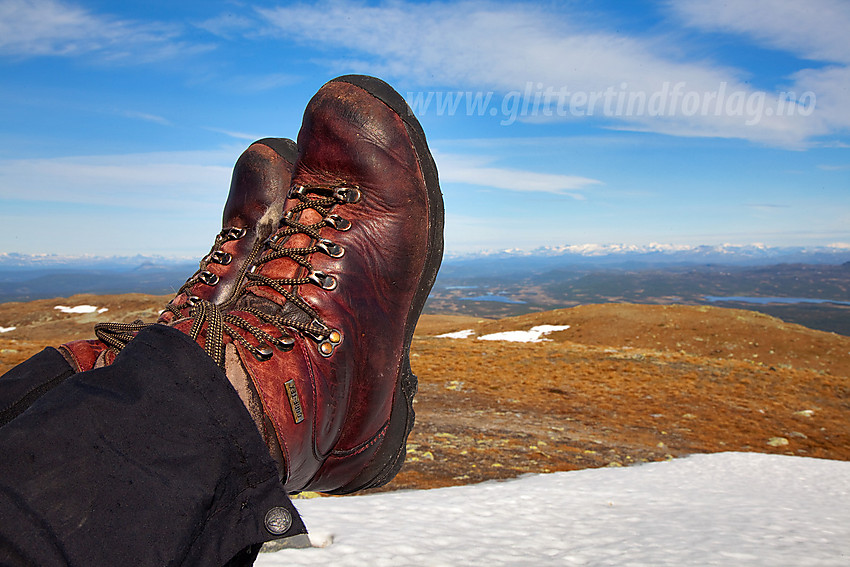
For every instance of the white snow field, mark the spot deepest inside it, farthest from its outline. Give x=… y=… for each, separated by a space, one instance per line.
x=533 y=335
x=466 y=333
x=81 y=309
x=719 y=509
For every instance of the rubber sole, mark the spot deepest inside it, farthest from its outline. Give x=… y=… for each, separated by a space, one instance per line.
x=391 y=454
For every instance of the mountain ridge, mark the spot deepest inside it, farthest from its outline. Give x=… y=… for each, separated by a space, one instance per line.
x=838 y=252
x=659 y=254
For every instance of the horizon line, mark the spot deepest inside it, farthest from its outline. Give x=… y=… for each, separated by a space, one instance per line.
x=588 y=248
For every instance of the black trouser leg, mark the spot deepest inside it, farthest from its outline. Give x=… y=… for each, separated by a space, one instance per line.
x=150 y=461
x=24 y=384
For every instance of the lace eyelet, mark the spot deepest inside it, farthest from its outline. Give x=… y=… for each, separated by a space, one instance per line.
x=327 y=345
x=284 y=343
x=323 y=280
x=220 y=257
x=296 y=190
x=263 y=352
x=332 y=249
x=319 y=335
x=347 y=195
x=337 y=223
x=208 y=278
x=235 y=233
x=193 y=300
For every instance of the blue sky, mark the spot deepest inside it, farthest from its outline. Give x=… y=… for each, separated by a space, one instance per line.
x=682 y=123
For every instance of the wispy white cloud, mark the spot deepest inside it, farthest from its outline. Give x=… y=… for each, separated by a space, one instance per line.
x=152 y=180
x=158 y=202
x=146 y=117
x=814 y=30
x=476 y=170
x=227 y=25
x=30 y=28
x=504 y=46
x=236 y=135
x=834 y=144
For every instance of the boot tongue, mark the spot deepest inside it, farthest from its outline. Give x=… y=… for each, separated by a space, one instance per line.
x=286 y=311
x=284 y=268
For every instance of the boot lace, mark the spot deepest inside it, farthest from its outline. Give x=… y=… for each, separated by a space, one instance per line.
x=219 y=323
x=215 y=256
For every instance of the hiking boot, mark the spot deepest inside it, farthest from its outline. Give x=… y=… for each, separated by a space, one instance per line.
x=378 y=259
x=261 y=178
x=318 y=342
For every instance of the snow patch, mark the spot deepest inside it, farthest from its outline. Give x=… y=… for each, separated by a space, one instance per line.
x=466 y=333
x=533 y=335
x=719 y=509
x=7 y=329
x=81 y=309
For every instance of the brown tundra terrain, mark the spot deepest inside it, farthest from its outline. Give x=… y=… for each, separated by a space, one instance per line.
x=624 y=384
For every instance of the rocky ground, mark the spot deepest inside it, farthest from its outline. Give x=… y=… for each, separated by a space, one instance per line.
x=624 y=384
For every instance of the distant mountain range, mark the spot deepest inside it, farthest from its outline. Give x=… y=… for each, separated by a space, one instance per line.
x=586 y=254
x=658 y=254
x=25 y=277
x=14 y=262
x=593 y=257
x=806 y=285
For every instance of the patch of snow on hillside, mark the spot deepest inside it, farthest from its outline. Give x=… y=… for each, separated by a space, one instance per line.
x=7 y=329
x=533 y=335
x=720 y=509
x=81 y=309
x=466 y=333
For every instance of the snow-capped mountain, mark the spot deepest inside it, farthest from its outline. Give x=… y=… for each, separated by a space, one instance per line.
x=659 y=253
x=16 y=261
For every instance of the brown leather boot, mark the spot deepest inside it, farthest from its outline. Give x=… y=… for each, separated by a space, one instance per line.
x=362 y=143
x=322 y=331
x=261 y=178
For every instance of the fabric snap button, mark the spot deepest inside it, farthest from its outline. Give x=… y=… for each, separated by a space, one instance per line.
x=278 y=520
